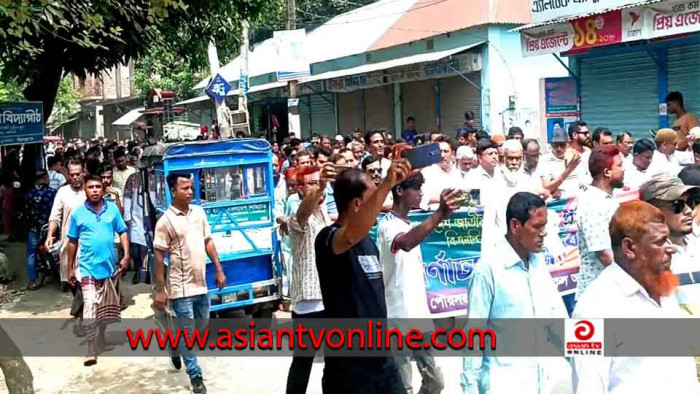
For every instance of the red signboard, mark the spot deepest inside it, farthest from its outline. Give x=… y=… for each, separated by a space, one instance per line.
x=597 y=30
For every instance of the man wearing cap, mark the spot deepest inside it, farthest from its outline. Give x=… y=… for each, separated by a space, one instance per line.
x=677 y=202
x=663 y=162
x=465 y=157
x=560 y=170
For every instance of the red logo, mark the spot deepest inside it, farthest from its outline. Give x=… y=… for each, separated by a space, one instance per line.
x=584 y=330
x=584 y=337
x=635 y=17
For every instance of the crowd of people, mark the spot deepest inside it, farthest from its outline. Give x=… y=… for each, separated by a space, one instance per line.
x=638 y=259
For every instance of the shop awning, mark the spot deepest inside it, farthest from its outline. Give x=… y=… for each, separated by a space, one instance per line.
x=266 y=86
x=194 y=100
x=199 y=99
x=129 y=118
x=403 y=61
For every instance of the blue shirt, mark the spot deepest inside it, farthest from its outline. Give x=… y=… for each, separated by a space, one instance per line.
x=94 y=232
x=502 y=287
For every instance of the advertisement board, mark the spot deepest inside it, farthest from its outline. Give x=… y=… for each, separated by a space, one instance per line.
x=21 y=123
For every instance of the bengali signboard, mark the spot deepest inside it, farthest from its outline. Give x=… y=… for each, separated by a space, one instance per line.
x=548 y=10
x=430 y=70
x=651 y=21
x=21 y=123
x=561 y=105
x=671 y=18
x=547 y=39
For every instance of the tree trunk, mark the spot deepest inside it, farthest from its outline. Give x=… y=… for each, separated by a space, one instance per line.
x=43 y=87
x=18 y=376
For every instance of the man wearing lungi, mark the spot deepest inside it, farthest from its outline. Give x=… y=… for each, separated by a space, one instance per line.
x=91 y=230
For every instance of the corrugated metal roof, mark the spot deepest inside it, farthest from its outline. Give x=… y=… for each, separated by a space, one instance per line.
x=129 y=118
x=570 y=18
x=427 y=18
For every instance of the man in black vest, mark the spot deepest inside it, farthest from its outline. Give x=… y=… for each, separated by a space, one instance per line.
x=350 y=275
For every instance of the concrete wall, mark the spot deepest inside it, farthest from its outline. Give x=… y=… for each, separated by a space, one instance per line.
x=507 y=73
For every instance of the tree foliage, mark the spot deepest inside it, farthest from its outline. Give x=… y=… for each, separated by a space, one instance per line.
x=65 y=105
x=42 y=40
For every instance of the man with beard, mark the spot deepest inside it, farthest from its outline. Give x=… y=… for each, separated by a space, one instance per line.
x=636 y=172
x=509 y=179
x=593 y=212
x=122 y=171
x=512 y=281
x=580 y=137
x=677 y=202
x=440 y=176
x=638 y=284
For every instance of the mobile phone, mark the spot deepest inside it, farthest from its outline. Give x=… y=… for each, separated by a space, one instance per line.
x=423 y=155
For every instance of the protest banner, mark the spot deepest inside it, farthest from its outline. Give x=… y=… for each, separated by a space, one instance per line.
x=451 y=251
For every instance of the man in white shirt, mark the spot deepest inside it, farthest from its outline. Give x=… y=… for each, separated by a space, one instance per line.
x=375 y=142
x=677 y=202
x=512 y=281
x=560 y=169
x=482 y=177
x=465 y=157
x=593 y=212
x=638 y=284
x=531 y=155
x=637 y=170
x=663 y=162
x=306 y=221
x=402 y=264
x=624 y=143
x=440 y=176
x=509 y=179
x=122 y=171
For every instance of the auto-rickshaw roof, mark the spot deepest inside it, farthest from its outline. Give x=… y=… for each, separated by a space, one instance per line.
x=157 y=153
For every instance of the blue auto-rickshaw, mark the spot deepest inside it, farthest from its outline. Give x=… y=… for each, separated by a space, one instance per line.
x=233 y=183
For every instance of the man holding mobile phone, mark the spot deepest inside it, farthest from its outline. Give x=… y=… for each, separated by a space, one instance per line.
x=404 y=284
x=440 y=176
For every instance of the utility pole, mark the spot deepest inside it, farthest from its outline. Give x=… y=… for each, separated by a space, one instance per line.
x=294 y=124
x=242 y=97
x=222 y=113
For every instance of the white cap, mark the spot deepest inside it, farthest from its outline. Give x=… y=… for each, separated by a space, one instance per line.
x=695 y=132
x=465 y=152
x=339 y=138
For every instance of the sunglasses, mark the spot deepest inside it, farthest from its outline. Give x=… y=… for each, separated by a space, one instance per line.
x=679 y=205
x=373 y=170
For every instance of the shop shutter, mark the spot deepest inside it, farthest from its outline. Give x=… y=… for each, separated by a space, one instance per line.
x=419 y=102
x=323 y=114
x=305 y=116
x=351 y=113
x=620 y=92
x=683 y=63
x=456 y=97
x=378 y=108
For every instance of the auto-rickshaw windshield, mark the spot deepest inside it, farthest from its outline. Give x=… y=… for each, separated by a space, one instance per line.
x=232 y=183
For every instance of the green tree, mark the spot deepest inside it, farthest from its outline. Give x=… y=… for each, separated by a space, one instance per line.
x=44 y=40
x=65 y=105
